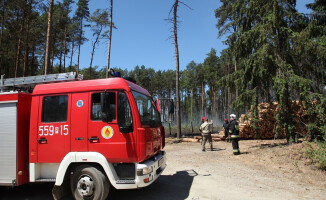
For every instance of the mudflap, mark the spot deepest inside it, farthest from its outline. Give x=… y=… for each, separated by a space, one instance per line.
x=58 y=192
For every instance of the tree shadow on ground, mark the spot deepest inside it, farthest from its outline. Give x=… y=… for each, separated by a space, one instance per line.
x=264 y=145
x=30 y=191
x=172 y=187
x=245 y=152
x=218 y=149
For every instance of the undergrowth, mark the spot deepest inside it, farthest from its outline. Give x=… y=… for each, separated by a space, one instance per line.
x=316 y=151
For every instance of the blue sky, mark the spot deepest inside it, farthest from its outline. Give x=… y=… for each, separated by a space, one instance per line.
x=142 y=37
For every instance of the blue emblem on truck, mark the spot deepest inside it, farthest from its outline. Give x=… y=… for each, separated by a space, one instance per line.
x=80 y=103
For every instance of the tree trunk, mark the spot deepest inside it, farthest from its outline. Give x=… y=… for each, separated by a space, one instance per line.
x=79 y=44
x=20 y=35
x=214 y=107
x=93 y=51
x=110 y=38
x=202 y=99
x=72 y=54
x=192 y=98
x=65 y=47
x=60 y=62
x=229 y=93
x=1 y=35
x=18 y=48
x=33 y=60
x=225 y=112
x=175 y=28
x=52 y=56
x=48 y=39
x=27 y=38
x=236 y=69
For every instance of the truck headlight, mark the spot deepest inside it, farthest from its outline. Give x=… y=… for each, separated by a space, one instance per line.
x=144 y=171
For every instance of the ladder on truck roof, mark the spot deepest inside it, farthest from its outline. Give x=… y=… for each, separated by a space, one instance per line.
x=31 y=81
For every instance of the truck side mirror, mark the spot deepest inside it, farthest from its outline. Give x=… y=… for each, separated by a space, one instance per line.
x=157 y=103
x=171 y=106
x=105 y=107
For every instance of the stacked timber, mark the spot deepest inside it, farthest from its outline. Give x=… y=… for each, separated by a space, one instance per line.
x=267 y=122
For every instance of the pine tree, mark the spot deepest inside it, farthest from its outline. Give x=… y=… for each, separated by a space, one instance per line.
x=99 y=21
x=82 y=13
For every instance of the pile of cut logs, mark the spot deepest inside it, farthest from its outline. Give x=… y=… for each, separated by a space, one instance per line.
x=267 y=122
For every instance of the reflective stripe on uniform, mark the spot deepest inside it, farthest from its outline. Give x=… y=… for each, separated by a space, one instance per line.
x=235 y=136
x=230 y=131
x=236 y=150
x=237 y=127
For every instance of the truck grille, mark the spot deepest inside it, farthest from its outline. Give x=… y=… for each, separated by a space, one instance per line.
x=125 y=170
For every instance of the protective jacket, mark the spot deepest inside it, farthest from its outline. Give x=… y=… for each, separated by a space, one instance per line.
x=226 y=128
x=205 y=127
x=234 y=132
x=234 y=129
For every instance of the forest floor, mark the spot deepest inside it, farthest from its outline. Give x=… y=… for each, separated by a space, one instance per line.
x=265 y=169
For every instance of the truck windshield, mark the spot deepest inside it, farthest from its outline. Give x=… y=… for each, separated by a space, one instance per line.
x=148 y=112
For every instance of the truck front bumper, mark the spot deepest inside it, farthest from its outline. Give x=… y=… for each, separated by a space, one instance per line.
x=146 y=172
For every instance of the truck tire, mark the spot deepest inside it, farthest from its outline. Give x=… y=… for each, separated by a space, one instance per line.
x=89 y=183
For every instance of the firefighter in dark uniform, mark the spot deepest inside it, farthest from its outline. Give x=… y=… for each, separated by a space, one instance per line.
x=234 y=132
x=226 y=129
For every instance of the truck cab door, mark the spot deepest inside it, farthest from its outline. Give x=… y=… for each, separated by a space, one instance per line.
x=79 y=117
x=113 y=138
x=53 y=140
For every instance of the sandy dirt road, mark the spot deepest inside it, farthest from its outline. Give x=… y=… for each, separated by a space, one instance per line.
x=264 y=170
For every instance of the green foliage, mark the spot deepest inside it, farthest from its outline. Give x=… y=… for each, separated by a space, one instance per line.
x=280 y=55
x=317 y=152
x=316 y=113
x=82 y=11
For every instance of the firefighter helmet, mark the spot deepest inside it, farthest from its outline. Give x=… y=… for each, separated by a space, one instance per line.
x=233 y=116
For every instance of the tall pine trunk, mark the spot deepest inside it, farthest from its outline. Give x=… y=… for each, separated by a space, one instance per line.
x=1 y=35
x=192 y=99
x=18 y=48
x=93 y=51
x=202 y=99
x=20 y=35
x=229 y=93
x=29 y=10
x=60 y=62
x=110 y=39
x=176 y=48
x=72 y=54
x=33 y=60
x=48 y=38
x=79 y=44
x=65 y=47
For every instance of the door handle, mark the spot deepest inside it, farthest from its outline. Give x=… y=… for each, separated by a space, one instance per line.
x=94 y=139
x=42 y=141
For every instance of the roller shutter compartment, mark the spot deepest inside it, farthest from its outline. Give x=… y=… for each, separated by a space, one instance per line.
x=8 y=142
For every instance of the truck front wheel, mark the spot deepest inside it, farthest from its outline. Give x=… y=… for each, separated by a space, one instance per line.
x=89 y=183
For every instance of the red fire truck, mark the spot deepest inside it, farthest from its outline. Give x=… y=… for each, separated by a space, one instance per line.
x=86 y=135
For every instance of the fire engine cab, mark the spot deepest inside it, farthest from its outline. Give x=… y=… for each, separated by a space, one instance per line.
x=86 y=135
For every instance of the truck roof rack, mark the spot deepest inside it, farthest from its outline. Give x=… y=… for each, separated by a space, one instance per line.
x=31 y=81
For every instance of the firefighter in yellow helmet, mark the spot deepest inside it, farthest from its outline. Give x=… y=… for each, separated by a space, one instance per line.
x=235 y=134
